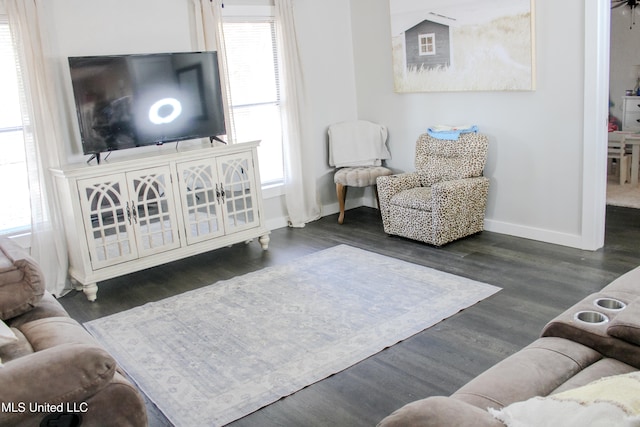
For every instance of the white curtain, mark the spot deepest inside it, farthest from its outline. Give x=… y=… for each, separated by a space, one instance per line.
x=208 y=20
x=300 y=188
x=42 y=141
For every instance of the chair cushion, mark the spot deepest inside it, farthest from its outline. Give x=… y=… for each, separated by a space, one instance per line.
x=21 y=280
x=360 y=176
x=414 y=198
x=440 y=160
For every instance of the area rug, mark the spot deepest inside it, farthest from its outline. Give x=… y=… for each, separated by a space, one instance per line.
x=625 y=195
x=215 y=354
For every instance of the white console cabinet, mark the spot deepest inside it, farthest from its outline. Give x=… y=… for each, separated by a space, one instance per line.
x=136 y=213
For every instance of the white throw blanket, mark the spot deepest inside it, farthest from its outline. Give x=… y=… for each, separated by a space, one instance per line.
x=358 y=143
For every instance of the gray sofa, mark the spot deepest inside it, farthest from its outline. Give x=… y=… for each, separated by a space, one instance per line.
x=52 y=371
x=594 y=345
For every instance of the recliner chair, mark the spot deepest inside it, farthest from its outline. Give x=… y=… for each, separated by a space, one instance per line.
x=445 y=198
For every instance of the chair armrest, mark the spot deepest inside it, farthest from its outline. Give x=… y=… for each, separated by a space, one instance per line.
x=390 y=185
x=394 y=184
x=63 y=374
x=459 y=206
x=440 y=411
x=460 y=192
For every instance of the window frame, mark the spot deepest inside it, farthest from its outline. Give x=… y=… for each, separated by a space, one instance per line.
x=427 y=40
x=20 y=230
x=259 y=13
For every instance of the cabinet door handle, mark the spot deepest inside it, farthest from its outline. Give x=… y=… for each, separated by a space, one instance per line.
x=134 y=212
x=222 y=191
x=128 y=213
x=217 y=194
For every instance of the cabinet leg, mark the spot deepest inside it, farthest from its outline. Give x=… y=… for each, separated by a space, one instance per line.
x=91 y=291
x=264 y=241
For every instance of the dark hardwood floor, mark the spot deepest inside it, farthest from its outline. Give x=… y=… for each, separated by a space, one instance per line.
x=539 y=281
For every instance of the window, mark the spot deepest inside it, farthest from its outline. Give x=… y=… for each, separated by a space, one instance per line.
x=427 y=44
x=15 y=211
x=252 y=62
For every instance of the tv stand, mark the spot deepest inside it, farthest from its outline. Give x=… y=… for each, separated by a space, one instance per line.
x=136 y=213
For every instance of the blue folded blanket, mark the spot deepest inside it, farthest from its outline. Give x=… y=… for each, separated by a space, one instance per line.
x=451 y=133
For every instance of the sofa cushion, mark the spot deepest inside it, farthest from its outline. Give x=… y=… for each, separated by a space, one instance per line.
x=628 y=282
x=21 y=280
x=21 y=347
x=602 y=368
x=543 y=366
x=6 y=335
x=605 y=402
x=438 y=411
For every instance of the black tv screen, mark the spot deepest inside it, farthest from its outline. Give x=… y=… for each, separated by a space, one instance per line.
x=126 y=101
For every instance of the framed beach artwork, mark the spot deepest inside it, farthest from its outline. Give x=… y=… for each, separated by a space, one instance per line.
x=463 y=45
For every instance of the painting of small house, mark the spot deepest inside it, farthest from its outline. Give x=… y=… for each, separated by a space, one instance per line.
x=427 y=45
x=462 y=45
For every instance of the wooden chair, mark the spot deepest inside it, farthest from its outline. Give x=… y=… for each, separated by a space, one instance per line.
x=616 y=151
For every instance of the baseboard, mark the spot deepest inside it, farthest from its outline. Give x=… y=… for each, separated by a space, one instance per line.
x=516 y=230
x=326 y=210
x=533 y=233
x=334 y=208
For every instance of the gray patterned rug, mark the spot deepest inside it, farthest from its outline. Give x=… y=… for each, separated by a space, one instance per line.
x=216 y=354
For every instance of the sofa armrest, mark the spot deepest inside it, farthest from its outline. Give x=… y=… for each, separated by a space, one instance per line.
x=21 y=280
x=389 y=186
x=59 y=375
x=438 y=411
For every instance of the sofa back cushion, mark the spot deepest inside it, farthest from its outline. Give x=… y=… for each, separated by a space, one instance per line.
x=21 y=280
x=444 y=160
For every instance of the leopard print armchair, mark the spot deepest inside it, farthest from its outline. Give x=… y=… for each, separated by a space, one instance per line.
x=445 y=198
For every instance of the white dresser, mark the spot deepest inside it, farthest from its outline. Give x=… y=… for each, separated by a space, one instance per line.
x=631 y=113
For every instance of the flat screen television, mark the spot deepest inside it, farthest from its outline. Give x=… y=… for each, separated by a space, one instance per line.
x=126 y=101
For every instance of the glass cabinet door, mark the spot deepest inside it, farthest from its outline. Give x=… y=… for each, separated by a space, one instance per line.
x=108 y=220
x=152 y=210
x=201 y=197
x=239 y=194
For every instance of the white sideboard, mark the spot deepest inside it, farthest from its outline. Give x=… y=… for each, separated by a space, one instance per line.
x=135 y=213
x=631 y=113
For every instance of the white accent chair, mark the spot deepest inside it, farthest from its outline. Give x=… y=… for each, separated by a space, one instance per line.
x=356 y=149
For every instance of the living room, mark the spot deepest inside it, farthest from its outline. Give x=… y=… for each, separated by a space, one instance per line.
x=547 y=182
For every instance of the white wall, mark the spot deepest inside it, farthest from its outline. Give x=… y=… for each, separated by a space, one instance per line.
x=91 y=27
x=324 y=34
x=536 y=138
